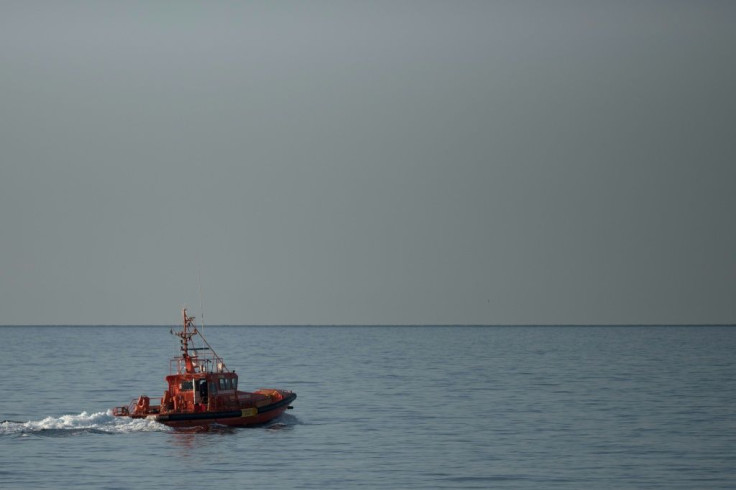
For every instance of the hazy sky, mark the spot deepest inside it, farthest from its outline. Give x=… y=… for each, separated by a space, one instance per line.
x=368 y=162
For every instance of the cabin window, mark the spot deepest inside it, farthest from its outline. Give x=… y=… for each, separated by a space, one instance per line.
x=228 y=383
x=213 y=387
x=186 y=385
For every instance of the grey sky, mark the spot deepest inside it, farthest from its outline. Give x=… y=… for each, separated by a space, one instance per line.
x=368 y=162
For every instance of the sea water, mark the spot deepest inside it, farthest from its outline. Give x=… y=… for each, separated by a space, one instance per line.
x=382 y=407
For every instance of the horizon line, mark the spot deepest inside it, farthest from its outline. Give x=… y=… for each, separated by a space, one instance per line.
x=120 y=325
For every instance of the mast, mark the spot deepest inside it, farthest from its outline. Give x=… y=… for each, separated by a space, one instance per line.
x=185 y=336
x=192 y=361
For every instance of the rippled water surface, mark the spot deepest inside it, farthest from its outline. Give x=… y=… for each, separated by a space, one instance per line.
x=396 y=407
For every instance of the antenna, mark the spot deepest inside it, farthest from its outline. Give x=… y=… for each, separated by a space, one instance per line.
x=201 y=301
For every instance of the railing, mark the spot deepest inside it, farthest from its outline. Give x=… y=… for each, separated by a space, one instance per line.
x=209 y=363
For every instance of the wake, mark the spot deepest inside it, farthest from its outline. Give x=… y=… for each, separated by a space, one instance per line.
x=68 y=425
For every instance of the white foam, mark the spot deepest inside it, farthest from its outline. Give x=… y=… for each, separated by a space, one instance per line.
x=97 y=422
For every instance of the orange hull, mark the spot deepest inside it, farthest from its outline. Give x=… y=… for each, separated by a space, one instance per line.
x=233 y=418
x=257 y=410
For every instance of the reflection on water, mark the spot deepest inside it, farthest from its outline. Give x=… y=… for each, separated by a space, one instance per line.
x=192 y=439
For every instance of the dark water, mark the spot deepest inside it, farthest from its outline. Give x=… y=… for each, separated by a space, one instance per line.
x=411 y=407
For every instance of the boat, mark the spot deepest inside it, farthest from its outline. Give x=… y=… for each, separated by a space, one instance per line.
x=202 y=391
